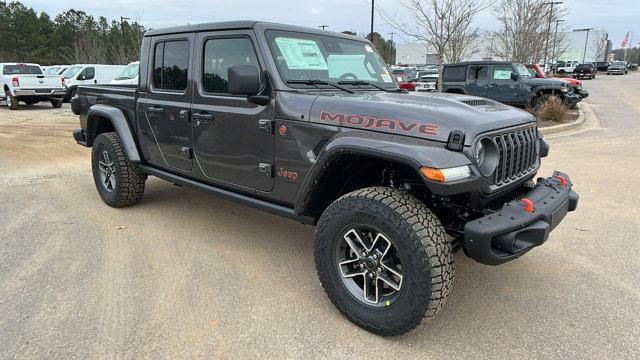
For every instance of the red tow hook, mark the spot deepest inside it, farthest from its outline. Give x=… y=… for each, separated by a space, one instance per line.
x=528 y=205
x=562 y=180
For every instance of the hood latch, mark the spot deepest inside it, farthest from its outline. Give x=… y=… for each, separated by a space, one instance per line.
x=456 y=140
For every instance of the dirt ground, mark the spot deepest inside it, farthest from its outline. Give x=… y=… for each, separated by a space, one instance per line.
x=187 y=275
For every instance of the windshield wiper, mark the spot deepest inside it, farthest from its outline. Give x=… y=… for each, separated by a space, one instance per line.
x=361 y=82
x=315 y=82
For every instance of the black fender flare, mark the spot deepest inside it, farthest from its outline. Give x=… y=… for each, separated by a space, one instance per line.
x=120 y=124
x=412 y=152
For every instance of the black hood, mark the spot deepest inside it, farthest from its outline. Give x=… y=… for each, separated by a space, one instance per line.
x=428 y=116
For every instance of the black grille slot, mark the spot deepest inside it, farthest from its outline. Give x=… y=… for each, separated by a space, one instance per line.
x=517 y=153
x=475 y=102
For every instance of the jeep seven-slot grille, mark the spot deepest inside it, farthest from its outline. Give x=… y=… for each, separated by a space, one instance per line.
x=518 y=155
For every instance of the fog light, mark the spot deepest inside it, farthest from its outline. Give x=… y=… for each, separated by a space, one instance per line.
x=446 y=175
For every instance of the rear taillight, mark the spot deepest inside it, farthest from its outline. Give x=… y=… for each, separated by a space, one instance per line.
x=15 y=82
x=62 y=81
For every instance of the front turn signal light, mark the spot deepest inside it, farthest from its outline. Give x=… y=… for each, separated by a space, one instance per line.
x=446 y=175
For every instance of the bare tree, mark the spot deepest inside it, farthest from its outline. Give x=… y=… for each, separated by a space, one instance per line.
x=524 y=24
x=598 y=46
x=442 y=26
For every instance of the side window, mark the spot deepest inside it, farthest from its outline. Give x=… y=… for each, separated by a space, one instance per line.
x=454 y=73
x=502 y=72
x=170 y=65
x=219 y=55
x=478 y=72
x=90 y=73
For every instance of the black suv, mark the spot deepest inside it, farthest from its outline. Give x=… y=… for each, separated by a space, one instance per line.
x=311 y=125
x=506 y=82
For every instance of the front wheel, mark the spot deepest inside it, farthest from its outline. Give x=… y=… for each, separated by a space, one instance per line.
x=119 y=181
x=383 y=259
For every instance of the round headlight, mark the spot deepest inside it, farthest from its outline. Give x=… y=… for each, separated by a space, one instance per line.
x=486 y=156
x=479 y=153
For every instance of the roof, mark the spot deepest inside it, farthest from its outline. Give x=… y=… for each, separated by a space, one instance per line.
x=244 y=24
x=481 y=62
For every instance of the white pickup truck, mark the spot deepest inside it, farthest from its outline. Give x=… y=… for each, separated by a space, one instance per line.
x=26 y=83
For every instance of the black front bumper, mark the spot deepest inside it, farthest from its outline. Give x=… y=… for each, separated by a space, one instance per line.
x=571 y=99
x=582 y=93
x=512 y=231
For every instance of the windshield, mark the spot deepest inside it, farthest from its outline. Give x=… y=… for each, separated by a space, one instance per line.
x=304 y=56
x=128 y=72
x=21 y=69
x=71 y=72
x=522 y=70
x=54 y=70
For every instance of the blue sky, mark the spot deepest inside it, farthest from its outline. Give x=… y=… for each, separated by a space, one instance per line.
x=615 y=16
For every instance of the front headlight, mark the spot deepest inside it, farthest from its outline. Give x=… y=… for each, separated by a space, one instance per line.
x=564 y=89
x=486 y=156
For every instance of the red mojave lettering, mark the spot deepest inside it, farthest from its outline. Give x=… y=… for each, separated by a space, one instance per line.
x=379 y=123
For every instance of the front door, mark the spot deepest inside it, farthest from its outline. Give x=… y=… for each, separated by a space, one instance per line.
x=167 y=104
x=502 y=88
x=233 y=139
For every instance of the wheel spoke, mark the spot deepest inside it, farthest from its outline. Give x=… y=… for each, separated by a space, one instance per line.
x=389 y=280
x=371 y=288
x=112 y=181
x=394 y=272
x=353 y=239
x=383 y=242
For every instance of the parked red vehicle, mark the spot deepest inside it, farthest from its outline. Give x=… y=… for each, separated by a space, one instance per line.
x=537 y=72
x=405 y=83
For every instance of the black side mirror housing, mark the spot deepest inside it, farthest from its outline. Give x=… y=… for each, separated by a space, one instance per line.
x=243 y=80
x=514 y=76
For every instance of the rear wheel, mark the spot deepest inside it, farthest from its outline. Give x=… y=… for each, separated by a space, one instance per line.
x=12 y=102
x=119 y=181
x=383 y=259
x=56 y=103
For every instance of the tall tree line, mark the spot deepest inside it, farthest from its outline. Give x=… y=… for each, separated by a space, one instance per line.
x=72 y=37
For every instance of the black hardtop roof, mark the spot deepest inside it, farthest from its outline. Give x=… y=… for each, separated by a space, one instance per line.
x=480 y=62
x=244 y=24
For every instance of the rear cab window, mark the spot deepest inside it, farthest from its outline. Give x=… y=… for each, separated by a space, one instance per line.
x=454 y=73
x=21 y=69
x=478 y=72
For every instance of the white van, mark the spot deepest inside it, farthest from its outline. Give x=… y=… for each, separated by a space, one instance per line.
x=87 y=74
x=128 y=76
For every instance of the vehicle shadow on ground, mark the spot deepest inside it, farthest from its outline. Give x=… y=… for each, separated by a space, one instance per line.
x=479 y=296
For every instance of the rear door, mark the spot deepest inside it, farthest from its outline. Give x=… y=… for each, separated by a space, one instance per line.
x=502 y=88
x=233 y=139
x=477 y=80
x=166 y=107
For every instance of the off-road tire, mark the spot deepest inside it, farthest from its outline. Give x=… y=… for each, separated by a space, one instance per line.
x=12 y=102
x=130 y=181
x=56 y=103
x=422 y=244
x=539 y=101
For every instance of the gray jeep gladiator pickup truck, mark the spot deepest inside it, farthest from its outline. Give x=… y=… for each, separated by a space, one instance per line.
x=311 y=125
x=506 y=82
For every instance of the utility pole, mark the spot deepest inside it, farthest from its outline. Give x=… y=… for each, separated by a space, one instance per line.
x=586 y=41
x=323 y=26
x=555 y=43
x=372 y=11
x=393 y=49
x=546 y=42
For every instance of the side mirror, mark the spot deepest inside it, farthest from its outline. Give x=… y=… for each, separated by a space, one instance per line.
x=243 y=80
x=514 y=76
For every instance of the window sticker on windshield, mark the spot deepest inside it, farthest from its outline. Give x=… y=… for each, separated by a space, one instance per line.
x=386 y=78
x=301 y=54
x=368 y=48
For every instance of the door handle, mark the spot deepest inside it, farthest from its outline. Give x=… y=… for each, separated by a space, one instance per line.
x=155 y=110
x=493 y=85
x=202 y=117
